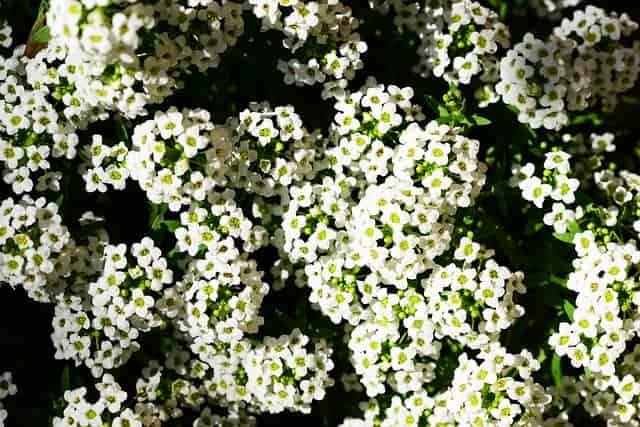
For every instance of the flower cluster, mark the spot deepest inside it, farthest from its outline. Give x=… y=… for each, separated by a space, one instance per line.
x=457 y=41
x=534 y=79
x=32 y=241
x=123 y=55
x=583 y=63
x=555 y=183
x=619 y=190
x=101 y=327
x=81 y=261
x=622 y=191
x=604 y=295
x=588 y=153
x=154 y=402
x=175 y=155
x=402 y=334
x=271 y=150
x=107 y=409
x=106 y=166
x=322 y=35
x=176 y=381
x=496 y=388
x=276 y=374
x=603 y=323
x=410 y=180
x=5 y=35
x=34 y=135
x=600 y=73
x=465 y=44
x=221 y=295
x=7 y=388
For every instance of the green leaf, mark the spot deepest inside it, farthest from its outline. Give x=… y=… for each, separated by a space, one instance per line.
x=480 y=121
x=156 y=218
x=172 y=225
x=41 y=36
x=558 y=280
x=442 y=111
x=568 y=308
x=121 y=131
x=503 y=11
x=542 y=355
x=588 y=118
x=172 y=253
x=65 y=379
x=463 y=120
x=556 y=369
x=631 y=100
x=573 y=228
x=564 y=237
x=513 y=109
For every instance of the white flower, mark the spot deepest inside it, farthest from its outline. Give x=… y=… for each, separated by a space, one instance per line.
x=559 y=217
x=534 y=190
x=564 y=189
x=169 y=124
x=265 y=131
x=557 y=160
x=584 y=242
x=467 y=250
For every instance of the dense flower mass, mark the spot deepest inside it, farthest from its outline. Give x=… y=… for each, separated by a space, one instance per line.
x=34 y=241
x=100 y=327
x=370 y=214
x=574 y=68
